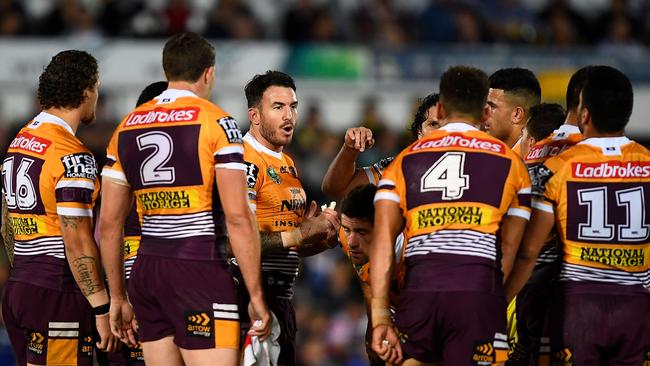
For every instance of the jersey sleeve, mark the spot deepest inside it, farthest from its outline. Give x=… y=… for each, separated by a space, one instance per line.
x=546 y=186
x=520 y=205
x=253 y=182
x=375 y=171
x=76 y=182
x=113 y=168
x=226 y=144
x=387 y=188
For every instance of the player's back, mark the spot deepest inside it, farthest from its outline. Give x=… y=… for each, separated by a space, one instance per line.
x=167 y=151
x=458 y=183
x=600 y=192
x=47 y=172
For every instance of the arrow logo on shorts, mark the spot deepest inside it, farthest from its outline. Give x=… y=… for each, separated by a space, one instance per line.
x=37 y=337
x=201 y=319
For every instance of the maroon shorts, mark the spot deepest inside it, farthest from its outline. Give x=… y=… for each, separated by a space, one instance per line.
x=193 y=301
x=607 y=327
x=47 y=326
x=457 y=328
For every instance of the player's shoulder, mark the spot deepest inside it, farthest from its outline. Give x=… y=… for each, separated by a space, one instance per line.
x=258 y=154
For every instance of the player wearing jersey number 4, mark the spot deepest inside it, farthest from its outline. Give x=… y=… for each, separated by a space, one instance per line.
x=182 y=158
x=50 y=184
x=458 y=249
x=596 y=194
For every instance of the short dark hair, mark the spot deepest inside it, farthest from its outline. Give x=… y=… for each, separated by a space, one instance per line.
x=609 y=97
x=519 y=82
x=151 y=91
x=359 y=203
x=544 y=119
x=65 y=78
x=464 y=90
x=574 y=88
x=422 y=113
x=186 y=56
x=260 y=82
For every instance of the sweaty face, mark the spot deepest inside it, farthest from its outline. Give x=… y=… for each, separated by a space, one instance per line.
x=278 y=111
x=499 y=123
x=89 y=106
x=430 y=124
x=358 y=233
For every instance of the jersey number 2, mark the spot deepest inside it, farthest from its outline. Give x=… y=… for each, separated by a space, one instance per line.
x=152 y=169
x=447 y=176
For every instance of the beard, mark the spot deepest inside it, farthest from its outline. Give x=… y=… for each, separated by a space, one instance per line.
x=273 y=136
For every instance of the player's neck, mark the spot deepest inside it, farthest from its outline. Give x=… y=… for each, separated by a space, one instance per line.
x=70 y=116
x=571 y=118
x=192 y=87
x=588 y=134
x=459 y=119
x=264 y=142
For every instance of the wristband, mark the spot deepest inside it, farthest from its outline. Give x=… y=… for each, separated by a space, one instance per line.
x=102 y=309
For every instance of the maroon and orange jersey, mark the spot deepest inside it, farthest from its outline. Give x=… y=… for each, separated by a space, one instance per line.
x=363 y=270
x=599 y=191
x=454 y=187
x=167 y=151
x=47 y=173
x=560 y=140
x=374 y=171
x=279 y=201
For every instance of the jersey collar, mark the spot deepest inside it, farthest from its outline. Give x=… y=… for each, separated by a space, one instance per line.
x=45 y=117
x=259 y=147
x=458 y=127
x=609 y=145
x=565 y=130
x=171 y=95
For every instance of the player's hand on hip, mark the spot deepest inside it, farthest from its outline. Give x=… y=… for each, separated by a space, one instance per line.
x=386 y=344
x=108 y=342
x=261 y=320
x=122 y=322
x=359 y=138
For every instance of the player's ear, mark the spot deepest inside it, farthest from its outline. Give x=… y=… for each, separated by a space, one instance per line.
x=208 y=74
x=254 y=115
x=439 y=111
x=485 y=114
x=518 y=115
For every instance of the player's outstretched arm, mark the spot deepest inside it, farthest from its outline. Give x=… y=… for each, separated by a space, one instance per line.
x=111 y=232
x=541 y=224
x=512 y=230
x=388 y=223
x=245 y=242
x=83 y=258
x=342 y=175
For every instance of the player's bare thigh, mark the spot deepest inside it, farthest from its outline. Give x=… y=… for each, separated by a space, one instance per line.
x=213 y=356
x=162 y=352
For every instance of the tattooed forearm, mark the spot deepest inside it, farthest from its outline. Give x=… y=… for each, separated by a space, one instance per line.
x=7 y=232
x=70 y=221
x=271 y=241
x=86 y=271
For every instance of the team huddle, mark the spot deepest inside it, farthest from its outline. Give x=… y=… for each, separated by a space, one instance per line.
x=509 y=231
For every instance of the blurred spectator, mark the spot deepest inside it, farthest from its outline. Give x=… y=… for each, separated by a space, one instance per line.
x=69 y=17
x=176 y=15
x=116 y=15
x=324 y=28
x=12 y=18
x=232 y=19
x=470 y=27
x=298 y=20
x=310 y=130
x=563 y=25
x=617 y=24
x=510 y=21
x=436 y=22
x=381 y=23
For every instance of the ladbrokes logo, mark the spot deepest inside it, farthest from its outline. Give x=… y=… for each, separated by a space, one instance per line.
x=612 y=169
x=460 y=141
x=546 y=151
x=198 y=324
x=162 y=115
x=25 y=141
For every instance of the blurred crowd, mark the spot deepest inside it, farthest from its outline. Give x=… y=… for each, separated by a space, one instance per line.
x=388 y=23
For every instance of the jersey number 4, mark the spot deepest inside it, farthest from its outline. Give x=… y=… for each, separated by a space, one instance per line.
x=447 y=175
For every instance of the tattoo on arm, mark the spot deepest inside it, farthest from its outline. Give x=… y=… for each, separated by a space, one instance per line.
x=70 y=221
x=271 y=241
x=7 y=231
x=86 y=268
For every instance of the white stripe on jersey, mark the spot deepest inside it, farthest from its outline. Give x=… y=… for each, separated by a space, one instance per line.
x=232 y=166
x=74 y=211
x=460 y=242
x=230 y=150
x=519 y=213
x=128 y=265
x=371 y=177
x=115 y=174
x=572 y=272
x=52 y=246
x=178 y=226
x=285 y=262
x=63 y=183
x=548 y=254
